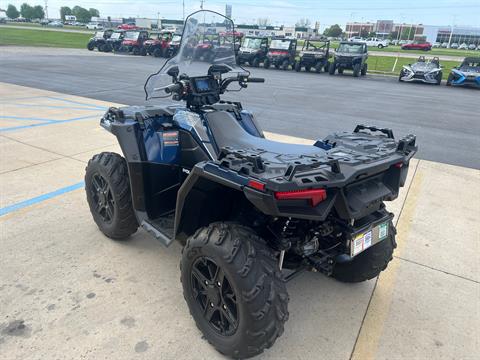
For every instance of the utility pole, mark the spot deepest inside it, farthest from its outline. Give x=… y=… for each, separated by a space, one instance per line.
x=201 y=4
x=46 y=9
x=183 y=7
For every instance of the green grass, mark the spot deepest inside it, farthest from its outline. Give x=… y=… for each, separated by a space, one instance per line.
x=37 y=25
x=433 y=52
x=385 y=65
x=30 y=37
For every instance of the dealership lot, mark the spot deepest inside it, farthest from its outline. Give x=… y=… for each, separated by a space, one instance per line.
x=66 y=291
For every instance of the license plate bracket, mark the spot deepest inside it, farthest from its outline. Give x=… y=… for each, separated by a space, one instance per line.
x=363 y=240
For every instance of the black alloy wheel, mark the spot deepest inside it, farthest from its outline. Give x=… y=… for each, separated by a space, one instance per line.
x=215 y=296
x=103 y=198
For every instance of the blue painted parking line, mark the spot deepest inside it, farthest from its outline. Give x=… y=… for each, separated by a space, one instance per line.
x=38 y=199
x=48 y=122
x=8 y=117
x=78 y=102
x=56 y=107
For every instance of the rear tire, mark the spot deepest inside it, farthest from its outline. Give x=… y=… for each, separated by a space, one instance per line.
x=332 y=69
x=298 y=67
x=255 y=62
x=368 y=264
x=308 y=68
x=157 y=52
x=143 y=51
x=364 y=69
x=108 y=195
x=285 y=64
x=340 y=70
x=136 y=51
x=439 y=78
x=234 y=289
x=449 y=80
x=91 y=46
x=266 y=64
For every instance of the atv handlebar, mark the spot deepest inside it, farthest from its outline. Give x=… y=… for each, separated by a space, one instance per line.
x=256 y=80
x=174 y=88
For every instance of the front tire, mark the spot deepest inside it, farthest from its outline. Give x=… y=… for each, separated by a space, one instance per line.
x=229 y=266
x=368 y=264
x=356 y=70
x=298 y=67
x=108 y=195
x=364 y=69
x=255 y=62
x=285 y=64
x=449 y=80
x=439 y=78
x=266 y=63
x=332 y=69
x=91 y=46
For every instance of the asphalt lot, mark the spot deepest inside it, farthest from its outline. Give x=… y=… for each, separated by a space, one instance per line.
x=445 y=120
x=68 y=292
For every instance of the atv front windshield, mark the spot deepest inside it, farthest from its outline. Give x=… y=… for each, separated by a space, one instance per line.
x=252 y=43
x=194 y=57
x=132 y=35
x=351 y=48
x=280 y=44
x=116 y=35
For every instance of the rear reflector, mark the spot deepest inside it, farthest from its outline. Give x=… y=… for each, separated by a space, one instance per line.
x=398 y=165
x=315 y=196
x=256 y=185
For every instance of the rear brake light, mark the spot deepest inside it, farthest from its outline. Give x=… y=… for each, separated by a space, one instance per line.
x=315 y=196
x=256 y=185
x=398 y=165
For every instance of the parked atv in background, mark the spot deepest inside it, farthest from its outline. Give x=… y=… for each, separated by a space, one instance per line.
x=251 y=213
x=99 y=40
x=314 y=55
x=158 y=43
x=114 y=43
x=350 y=56
x=253 y=50
x=281 y=54
x=133 y=42
x=429 y=72
x=230 y=37
x=173 y=46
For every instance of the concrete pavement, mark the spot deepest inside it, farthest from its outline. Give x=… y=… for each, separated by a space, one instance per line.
x=66 y=291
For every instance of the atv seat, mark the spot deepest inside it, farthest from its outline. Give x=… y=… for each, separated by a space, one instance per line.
x=228 y=132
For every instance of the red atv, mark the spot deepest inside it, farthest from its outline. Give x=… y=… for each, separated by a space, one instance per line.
x=158 y=43
x=134 y=42
x=417 y=45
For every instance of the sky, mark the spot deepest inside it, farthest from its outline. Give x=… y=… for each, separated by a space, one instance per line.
x=288 y=12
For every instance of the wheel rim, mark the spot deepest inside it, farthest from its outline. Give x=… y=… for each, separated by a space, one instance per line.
x=102 y=198
x=215 y=296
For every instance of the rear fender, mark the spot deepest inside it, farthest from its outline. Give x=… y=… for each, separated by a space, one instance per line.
x=204 y=198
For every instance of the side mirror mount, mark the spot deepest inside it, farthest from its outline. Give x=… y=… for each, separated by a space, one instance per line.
x=173 y=72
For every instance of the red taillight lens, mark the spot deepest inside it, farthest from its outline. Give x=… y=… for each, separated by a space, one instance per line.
x=315 y=196
x=256 y=185
x=398 y=165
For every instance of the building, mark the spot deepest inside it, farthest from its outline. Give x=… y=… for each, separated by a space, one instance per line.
x=383 y=28
x=356 y=28
x=453 y=34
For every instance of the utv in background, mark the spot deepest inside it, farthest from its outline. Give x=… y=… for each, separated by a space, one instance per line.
x=314 y=55
x=158 y=43
x=134 y=42
x=253 y=50
x=281 y=54
x=229 y=37
x=350 y=55
x=173 y=46
x=99 y=40
x=114 y=43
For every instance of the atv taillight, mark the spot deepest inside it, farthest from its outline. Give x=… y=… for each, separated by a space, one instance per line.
x=315 y=196
x=399 y=165
x=256 y=185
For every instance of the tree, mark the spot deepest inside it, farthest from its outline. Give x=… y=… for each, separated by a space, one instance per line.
x=65 y=10
x=303 y=23
x=407 y=33
x=82 y=14
x=26 y=11
x=94 y=12
x=364 y=33
x=37 y=12
x=372 y=34
x=263 y=21
x=12 y=12
x=333 y=31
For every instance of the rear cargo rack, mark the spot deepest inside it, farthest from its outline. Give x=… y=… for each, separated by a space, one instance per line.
x=385 y=131
x=293 y=169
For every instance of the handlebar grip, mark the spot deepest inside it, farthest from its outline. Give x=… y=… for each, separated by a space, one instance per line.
x=256 y=80
x=173 y=88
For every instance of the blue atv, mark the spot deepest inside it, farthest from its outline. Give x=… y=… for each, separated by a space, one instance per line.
x=468 y=73
x=251 y=213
